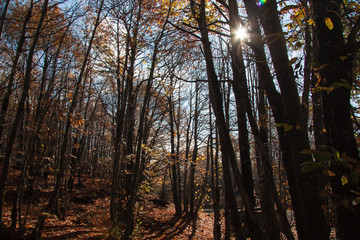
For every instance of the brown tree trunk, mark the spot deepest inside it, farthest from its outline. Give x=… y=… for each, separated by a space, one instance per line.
x=140 y=158
x=3 y=17
x=228 y=154
x=304 y=188
x=266 y=195
x=335 y=58
x=11 y=77
x=58 y=182
x=193 y=162
x=214 y=178
x=175 y=187
x=20 y=108
x=241 y=93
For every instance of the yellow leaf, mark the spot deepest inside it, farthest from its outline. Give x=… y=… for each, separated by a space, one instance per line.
x=344 y=180
x=288 y=127
x=329 y=173
x=311 y=22
x=344 y=57
x=329 y=23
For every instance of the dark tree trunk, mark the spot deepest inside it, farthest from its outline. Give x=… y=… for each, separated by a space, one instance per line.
x=11 y=77
x=215 y=192
x=3 y=17
x=335 y=58
x=304 y=188
x=175 y=187
x=140 y=159
x=228 y=154
x=241 y=93
x=59 y=177
x=195 y=153
x=266 y=195
x=20 y=108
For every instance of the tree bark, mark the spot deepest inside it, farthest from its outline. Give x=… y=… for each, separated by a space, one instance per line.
x=228 y=154
x=53 y=198
x=335 y=59
x=304 y=188
x=20 y=108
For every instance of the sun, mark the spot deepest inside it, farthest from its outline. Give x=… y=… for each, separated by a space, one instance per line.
x=241 y=33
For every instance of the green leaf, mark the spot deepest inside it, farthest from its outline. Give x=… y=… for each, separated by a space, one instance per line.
x=329 y=23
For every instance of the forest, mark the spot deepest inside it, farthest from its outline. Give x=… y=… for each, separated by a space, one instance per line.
x=179 y=119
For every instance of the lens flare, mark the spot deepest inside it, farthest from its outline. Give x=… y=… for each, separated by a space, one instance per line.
x=261 y=2
x=241 y=33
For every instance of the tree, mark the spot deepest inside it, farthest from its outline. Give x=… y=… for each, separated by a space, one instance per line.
x=336 y=63
x=20 y=108
x=287 y=109
x=228 y=154
x=59 y=178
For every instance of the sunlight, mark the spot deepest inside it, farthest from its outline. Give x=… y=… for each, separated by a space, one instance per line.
x=241 y=33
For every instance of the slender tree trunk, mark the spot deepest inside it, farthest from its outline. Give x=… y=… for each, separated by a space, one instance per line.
x=193 y=162
x=119 y=119
x=59 y=177
x=228 y=154
x=266 y=196
x=241 y=92
x=11 y=78
x=3 y=17
x=31 y=149
x=175 y=188
x=304 y=188
x=20 y=109
x=214 y=183
x=187 y=152
x=140 y=159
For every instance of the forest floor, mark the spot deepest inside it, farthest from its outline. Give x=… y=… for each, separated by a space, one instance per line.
x=87 y=215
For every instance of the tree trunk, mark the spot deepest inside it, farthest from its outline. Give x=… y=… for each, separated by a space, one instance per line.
x=228 y=154
x=304 y=188
x=215 y=182
x=6 y=99
x=335 y=59
x=193 y=162
x=3 y=17
x=59 y=177
x=20 y=108
x=175 y=187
